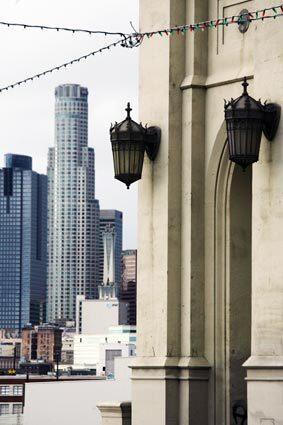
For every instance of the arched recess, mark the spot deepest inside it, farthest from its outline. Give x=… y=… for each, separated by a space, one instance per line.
x=228 y=281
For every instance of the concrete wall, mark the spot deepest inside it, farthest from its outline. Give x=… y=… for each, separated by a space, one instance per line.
x=73 y=403
x=98 y=315
x=189 y=311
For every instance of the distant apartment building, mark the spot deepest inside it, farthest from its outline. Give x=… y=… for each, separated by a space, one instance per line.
x=73 y=212
x=11 y=400
x=42 y=343
x=23 y=226
x=67 y=353
x=111 y=238
x=10 y=353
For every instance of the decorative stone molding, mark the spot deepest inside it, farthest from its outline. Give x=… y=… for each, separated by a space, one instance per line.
x=116 y=413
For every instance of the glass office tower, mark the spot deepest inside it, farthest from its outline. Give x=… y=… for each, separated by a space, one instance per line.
x=73 y=212
x=23 y=227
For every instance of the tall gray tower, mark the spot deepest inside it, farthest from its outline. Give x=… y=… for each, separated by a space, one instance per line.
x=73 y=212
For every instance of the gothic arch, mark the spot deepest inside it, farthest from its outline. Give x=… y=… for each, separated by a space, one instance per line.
x=228 y=279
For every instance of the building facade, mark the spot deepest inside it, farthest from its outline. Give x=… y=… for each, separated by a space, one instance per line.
x=129 y=266
x=128 y=295
x=111 y=243
x=73 y=212
x=128 y=291
x=11 y=400
x=96 y=316
x=23 y=227
x=43 y=343
x=87 y=348
x=210 y=299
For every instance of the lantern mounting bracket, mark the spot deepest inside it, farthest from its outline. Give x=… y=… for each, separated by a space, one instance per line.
x=271 y=120
x=153 y=137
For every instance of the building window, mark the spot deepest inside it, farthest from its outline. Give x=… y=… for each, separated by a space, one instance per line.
x=4 y=409
x=17 y=409
x=4 y=390
x=18 y=390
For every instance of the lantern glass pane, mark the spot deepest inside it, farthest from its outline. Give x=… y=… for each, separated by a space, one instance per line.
x=128 y=159
x=244 y=137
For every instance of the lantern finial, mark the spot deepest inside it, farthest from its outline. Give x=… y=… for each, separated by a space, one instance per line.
x=245 y=85
x=128 y=110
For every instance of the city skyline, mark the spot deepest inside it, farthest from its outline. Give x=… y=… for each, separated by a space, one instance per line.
x=109 y=91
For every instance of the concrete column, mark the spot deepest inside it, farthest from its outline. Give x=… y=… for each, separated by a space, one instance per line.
x=170 y=374
x=155 y=384
x=265 y=367
x=115 y=413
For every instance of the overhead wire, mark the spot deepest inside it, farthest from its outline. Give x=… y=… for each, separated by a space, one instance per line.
x=136 y=38
x=128 y=42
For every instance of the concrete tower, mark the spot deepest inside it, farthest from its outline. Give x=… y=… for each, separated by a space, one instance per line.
x=73 y=212
x=111 y=219
x=108 y=289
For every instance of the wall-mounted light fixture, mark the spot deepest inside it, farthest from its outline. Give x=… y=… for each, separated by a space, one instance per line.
x=130 y=141
x=246 y=119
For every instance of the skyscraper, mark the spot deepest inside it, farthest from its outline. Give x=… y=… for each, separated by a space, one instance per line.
x=112 y=220
x=73 y=212
x=23 y=225
x=129 y=267
x=128 y=291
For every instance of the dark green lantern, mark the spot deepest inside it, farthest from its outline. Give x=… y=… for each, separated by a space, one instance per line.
x=246 y=120
x=130 y=141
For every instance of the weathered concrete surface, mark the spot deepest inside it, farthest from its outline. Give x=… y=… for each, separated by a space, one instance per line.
x=199 y=260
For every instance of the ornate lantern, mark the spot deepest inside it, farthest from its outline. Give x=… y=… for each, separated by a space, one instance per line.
x=246 y=119
x=129 y=142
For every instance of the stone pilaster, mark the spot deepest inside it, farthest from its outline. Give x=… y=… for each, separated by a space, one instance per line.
x=170 y=373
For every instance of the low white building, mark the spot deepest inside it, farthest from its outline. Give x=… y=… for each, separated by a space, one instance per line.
x=87 y=348
x=74 y=402
x=96 y=316
x=107 y=355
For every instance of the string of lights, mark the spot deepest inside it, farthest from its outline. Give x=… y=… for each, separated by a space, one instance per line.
x=136 y=38
x=258 y=15
x=128 y=42
x=261 y=14
x=70 y=30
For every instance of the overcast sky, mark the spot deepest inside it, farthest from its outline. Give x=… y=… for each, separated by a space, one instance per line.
x=27 y=112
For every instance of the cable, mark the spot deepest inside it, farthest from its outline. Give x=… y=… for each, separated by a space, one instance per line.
x=258 y=15
x=128 y=42
x=135 y=39
x=72 y=30
x=236 y=19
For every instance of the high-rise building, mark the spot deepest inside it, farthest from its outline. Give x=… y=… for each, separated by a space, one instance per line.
x=128 y=296
x=129 y=266
x=128 y=291
x=73 y=212
x=23 y=226
x=111 y=222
